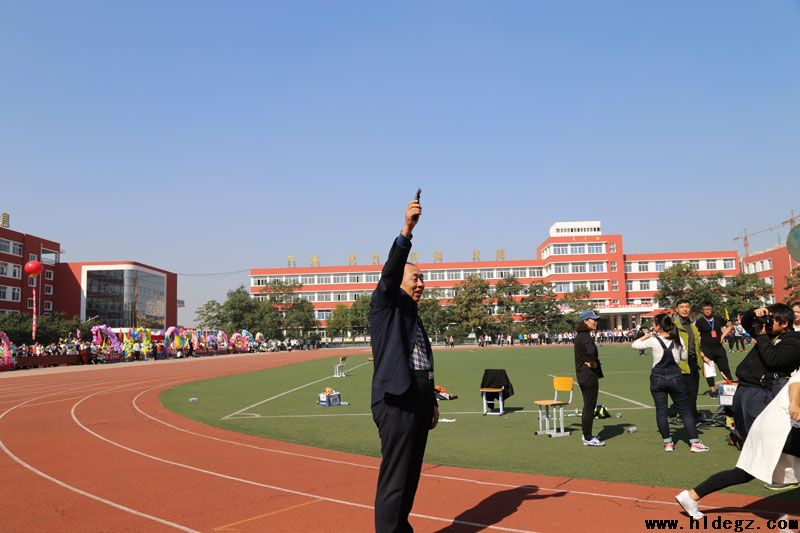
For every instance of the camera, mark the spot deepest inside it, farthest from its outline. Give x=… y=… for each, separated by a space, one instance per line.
x=759 y=321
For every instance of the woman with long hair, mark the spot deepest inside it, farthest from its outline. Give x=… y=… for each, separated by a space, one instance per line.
x=588 y=371
x=665 y=379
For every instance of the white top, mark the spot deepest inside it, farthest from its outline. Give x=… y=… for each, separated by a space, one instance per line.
x=678 y=352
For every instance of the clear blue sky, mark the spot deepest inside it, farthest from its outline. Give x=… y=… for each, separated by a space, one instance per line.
x=219 y=136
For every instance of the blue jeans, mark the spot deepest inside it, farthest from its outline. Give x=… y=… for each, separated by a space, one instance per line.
x=672 y=385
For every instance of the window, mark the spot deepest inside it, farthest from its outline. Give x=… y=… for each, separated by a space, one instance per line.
x=596 y=267
x=48 y=289
x=503 y=273
x=577 y=249
x=536 y=272
x=453 y=274
x=646 y=301
x=323 y=296
x=308 y=280
x=323 y=280
x=629 y=285
x=520 y=272
x=33 y=257
x=614 y=285
x=340 y=278
x=769 y=264
x=768 y=280
x=487 y=274
x=644 y=266
x=695 y=264
x=30 y=303
x=660 y=266
x=291 y=280
x=309 y=296
x=561 y=287
x=48 y=306
x=323 y=314
x=355 y=278
x=10 y=247
x=31 y=281
x=561 y=268
x=435 y=275
x=644 y=285
x=48 y=275
x=628 y=266
x=728 y=264
x=711 y=264
x=613 y=266
x=612 y=248
x=594 y=248
x=339 y=296
x=578 y=268
x=560 y=249
x=372 y=278
x=580 y=285
x=595 y=286
x=630 y=301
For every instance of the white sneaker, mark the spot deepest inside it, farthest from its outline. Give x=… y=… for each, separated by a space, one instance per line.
x=689 y=505
x=669 y=447
x=594 y=441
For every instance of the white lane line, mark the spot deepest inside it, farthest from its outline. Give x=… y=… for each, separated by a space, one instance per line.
x=249 y=415
x=371 y=467
x=268 y=486
x=640 y=404
x=89 y=495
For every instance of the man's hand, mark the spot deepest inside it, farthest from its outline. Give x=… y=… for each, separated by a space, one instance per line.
x=435 y=420
x=413 y=211
x=762 y=311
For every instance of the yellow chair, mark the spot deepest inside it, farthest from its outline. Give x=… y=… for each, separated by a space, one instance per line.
x=553 y=410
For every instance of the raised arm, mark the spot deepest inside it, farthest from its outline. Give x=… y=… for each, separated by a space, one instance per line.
x=392 y=273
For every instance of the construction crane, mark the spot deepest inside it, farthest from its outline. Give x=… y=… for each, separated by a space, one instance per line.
x=745 y=237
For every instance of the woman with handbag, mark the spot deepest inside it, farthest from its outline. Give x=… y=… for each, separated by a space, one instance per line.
x=588 y=371
x=665 y=379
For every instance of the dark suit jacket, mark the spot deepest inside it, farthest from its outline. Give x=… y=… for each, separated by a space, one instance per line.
x=392 y=320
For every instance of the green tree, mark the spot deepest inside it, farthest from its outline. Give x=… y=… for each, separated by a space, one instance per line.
x=793 y=286
x=339 y=321
x=435 y=316
x=506 y=292
x=744 y=291
x=298 y=318
x=683 y=281
x=540 y=309
x=240 y=311
x=359 y=315
x=209 y=315
x=469 y=306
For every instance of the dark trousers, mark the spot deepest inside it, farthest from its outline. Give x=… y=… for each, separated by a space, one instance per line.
x=589 y=390
x=748 y=402
x=692 y=383
x=672 y=385
x=403 y=424
x=721 y=360
x=722 y=480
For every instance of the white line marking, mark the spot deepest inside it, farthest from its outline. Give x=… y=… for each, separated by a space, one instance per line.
x=266 y=485
x=423 y=474
x=240 y=411
x=79 y=491
x=640 y=404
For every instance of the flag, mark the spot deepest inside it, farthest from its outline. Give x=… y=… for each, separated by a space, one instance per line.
x=727 y=316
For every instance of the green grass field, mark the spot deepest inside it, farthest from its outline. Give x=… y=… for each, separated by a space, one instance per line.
x=501 y=443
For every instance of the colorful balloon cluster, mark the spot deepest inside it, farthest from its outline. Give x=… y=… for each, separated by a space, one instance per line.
x=6 y=348
x=97 y=337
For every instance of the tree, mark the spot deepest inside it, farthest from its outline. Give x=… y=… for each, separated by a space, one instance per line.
x=793 y=286
x=504 y=298
x=469 y=307
x=539 y=308
x=359 y=315
x=209 y=315
x=743 y=292
x=298 y=318
x=579 y=300
x=435 y=316
x=682 y=281
x=339 y=321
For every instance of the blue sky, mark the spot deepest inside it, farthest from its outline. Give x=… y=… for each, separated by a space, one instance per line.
x=218 y=136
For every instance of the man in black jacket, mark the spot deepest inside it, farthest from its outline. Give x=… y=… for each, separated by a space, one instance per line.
x=713 y=328
x=403 y=403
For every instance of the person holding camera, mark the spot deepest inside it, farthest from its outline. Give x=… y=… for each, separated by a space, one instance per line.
x=665 y=379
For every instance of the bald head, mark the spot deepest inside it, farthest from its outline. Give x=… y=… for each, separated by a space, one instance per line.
x=413 y=282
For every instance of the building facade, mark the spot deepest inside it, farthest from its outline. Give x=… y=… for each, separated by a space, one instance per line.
x=773 y=266
x=16 y=288
x=575 y=255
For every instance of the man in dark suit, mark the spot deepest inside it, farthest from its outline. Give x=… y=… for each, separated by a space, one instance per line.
x=403 y=403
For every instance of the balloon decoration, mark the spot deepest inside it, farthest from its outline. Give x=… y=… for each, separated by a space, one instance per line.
x=6 y=348
x=33 y=269
x=97 y=337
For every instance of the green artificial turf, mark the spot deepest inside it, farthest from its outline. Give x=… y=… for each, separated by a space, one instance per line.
x=492 y=442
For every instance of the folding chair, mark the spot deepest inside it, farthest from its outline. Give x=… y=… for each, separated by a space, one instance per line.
x=495 y=387
x=552 y=411
x=338 y=368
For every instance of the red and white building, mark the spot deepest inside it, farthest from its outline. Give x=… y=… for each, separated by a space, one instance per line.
x=773 y=266
x=575 y=255
x=120 y=293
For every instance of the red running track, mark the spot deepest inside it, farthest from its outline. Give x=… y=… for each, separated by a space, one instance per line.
x=92 y=449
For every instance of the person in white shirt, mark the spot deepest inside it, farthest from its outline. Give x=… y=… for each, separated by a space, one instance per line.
x=665 y=379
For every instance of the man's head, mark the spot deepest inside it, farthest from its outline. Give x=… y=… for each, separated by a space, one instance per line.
x=781 y=318
x=708 y=309
x=683 y=308
x=796 y=313
x=413 y=282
